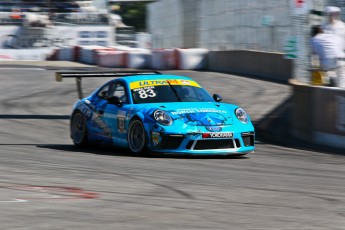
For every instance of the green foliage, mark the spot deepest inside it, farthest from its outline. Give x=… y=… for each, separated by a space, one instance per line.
x=133 y=14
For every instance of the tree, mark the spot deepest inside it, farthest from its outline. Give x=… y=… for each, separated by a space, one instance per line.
x=132 y=13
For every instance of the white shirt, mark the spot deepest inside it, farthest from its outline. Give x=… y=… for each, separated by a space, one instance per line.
x=329 y=47
x=337 y=27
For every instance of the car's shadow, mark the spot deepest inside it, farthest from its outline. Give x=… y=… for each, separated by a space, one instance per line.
x=112 y=151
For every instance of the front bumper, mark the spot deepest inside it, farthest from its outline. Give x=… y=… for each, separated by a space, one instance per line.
x=196 y=143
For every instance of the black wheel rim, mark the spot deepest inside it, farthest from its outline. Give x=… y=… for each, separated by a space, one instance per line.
x=78 y=128
x=136 y=137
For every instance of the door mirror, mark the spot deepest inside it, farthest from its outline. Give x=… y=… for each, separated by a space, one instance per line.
x=115 y=101
x=217 y=97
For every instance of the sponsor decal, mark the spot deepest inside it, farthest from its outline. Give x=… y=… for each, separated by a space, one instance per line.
x=196 y=110
x=155 y=136
x=85 y=110
x=185 y=82
x=130 y=112
x=218 y=135
x=121 y=124
x=146 y=92
x=121 y=121
x=214 y=128
x=208 y=117
x=160 y=82
x=95 y=118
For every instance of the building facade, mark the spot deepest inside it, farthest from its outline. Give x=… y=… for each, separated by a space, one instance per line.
x=229 y=24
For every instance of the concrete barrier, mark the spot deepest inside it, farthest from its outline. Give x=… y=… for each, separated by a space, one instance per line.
x=191 y=59
x=318 y=114
x=271 y=66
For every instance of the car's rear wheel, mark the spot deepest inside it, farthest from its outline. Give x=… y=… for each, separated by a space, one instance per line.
x=79 y=130
x=136 y=136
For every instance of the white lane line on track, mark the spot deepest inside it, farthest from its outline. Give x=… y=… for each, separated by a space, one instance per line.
x=8 y=68
x=13 y=201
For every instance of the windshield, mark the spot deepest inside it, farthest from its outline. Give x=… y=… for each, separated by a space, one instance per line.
x=170 y=93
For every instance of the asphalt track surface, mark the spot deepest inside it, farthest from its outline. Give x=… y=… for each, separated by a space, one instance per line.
x=46 y=183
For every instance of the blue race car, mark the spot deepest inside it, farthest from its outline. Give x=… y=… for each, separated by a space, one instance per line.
x=168 y=114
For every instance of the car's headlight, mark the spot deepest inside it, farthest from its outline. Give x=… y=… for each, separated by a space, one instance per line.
x=162 y=117
x=241 y=115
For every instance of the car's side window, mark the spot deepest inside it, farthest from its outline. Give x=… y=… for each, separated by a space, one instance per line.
x=103 y=92
x=119 y=91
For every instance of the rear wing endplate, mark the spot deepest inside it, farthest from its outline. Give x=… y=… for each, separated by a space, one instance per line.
x=59 y=76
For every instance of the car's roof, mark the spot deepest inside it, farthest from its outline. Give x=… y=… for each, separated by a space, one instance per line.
x=135 y=78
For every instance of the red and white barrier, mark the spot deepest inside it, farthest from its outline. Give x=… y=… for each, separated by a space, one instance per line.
x=164 y=59
x=112 y=59
x=89 y=54
x=187 y=59
x=139 y=59
x=126 y=57
x=122 y=48
x=191 y=59
x=69 y=53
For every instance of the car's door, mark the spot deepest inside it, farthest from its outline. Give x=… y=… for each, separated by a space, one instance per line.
x=100 y=129
x=115 y=112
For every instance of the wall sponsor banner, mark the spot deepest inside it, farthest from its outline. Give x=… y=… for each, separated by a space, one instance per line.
x=18 y=37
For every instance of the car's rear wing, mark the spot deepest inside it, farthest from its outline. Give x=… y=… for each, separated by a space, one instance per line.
x=59 y=76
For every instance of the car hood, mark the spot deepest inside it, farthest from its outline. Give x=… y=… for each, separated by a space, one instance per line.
x=200 y=113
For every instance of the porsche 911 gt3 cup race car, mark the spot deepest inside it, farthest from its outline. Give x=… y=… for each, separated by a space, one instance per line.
x=154 y=112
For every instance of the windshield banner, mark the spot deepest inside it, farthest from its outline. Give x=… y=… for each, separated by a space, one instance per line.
x=160 y=82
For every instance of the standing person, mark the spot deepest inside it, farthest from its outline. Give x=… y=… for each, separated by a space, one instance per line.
x=334 y=23
x=330 y=50
x=336 y=26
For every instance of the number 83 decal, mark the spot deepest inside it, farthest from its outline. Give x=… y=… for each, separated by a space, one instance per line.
x=145 y=93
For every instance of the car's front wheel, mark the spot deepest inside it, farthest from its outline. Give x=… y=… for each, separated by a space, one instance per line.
x=79 y=130
x=136 y=136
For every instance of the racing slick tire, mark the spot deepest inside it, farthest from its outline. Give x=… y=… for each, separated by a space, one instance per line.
x=79 y=130
x=136 y=137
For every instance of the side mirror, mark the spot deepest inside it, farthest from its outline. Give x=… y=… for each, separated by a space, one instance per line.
x=217 y=97
x=115 y=101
